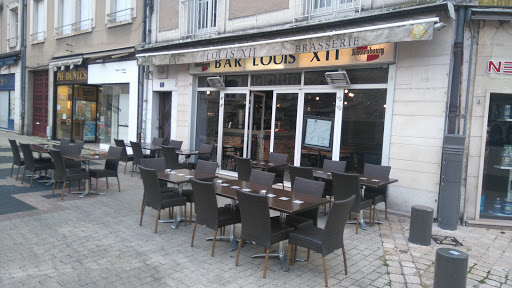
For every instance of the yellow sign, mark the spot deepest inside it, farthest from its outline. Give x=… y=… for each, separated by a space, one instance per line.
x=72 y=75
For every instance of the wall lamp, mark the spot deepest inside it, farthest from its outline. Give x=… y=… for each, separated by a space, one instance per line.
x=215 y=82
x=439 y=26
x=339 y=78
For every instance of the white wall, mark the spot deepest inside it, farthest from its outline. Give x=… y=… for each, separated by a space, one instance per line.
x=118 y=73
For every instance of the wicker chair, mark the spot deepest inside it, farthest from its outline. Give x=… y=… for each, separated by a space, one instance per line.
x=176 y=144
x=158 y=197
x=302 y=172
x=71 y=149
x=16 y=157
x=278 y=158
x=378 y=195
x=171 y=158
x=65 y=141
x=66 y=175
x=137 y=155
x=243 y=168
x=156 y=142
x=205 y=168
x=32 y=164
x=110 y=169
x=336 y=166
x=262 y=178
x=80 y=144
x=125 y=157
x=204 y=153
x=307 y=187
x=257 y=226
x=346 y=185
x=327 y=240
x=208 y=213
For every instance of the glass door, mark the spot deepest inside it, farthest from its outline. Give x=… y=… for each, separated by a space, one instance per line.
x=260 y=122
x=84 y=113
x=232 y=128
x=285 y=123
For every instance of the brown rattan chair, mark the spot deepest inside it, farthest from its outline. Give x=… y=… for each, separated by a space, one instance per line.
x=33 y=165
x=329 y=166
x=176 y=144
x=205 y=168
x=243 y=168
x=262 y=178
x=327 y=240
x=278 y=158
x=111 y=167
x=257 y=225
x=378 y=195
x=61 y=174
x=125 y=157
x=138 y=155
x=207 y=211
x=302 y=172
x=307 y=187
x=16 y=157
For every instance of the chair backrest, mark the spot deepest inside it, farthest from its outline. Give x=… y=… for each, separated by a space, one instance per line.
x=176 y=144
x=157 y=164
x=113 y=155
x=28 y=157
x=277 y=158
x=309 y=187
x=376 y=170
x=302 y=172
x=207 y=212
x=205 y=152
x=16 y=157
x=335 y=225
x=243 y=168
x=60 y=172
x=170 y=156
x=70 y=149
x=336 y=166
x=124 y=154
x=65 y=141
x=344 y=186
x=206 y=167
x=157 y=141
x=152 y=191
x=262 y=178
x=80 y=144
x=137 y=152
x=255 y=218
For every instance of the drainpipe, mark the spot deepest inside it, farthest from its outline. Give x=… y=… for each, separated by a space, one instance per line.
x=142 y=72
x=23 y=65
x=150 y=15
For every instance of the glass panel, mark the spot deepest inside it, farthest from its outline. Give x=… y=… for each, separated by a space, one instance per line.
x=496 y=198
x=207 y=122
x=321 y=105
x=236 y=80
x=234 y=127
x=261 y=125
x=315 y=77
x=368 y=76
x=63 y=112
x=84 y=113
x=286 y=125
x=202 y=82
x=362 y=128
x=4 y=109
x=113 y=106
x=274 y=79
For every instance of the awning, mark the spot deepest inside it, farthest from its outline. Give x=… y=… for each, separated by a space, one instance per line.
x=491 y=14
x=66 y=61
x=112 y=53
x=6 y=61
x=411 y=30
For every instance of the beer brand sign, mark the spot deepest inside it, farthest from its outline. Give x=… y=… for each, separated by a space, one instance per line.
x=77 y=75
x=499 y=67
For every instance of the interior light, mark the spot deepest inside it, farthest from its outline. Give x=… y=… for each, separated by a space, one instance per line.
x=345 y=103
x=317 y=98
x=278 y=105
x=351 y=94
x=62 y=68
x=208 y=92
x=384 y=105
x=346 y=91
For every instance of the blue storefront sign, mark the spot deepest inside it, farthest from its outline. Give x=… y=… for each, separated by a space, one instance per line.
x=7 y=82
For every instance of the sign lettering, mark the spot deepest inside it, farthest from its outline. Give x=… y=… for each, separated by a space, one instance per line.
x=499 y=67
x=75 y=75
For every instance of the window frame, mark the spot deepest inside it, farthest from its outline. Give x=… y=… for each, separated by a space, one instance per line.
x=75 y=23
x=110 y=11
x=10 y=30
x=38 y=10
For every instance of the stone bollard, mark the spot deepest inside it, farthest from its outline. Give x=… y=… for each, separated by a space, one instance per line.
x=420 y=230
x=451 y=268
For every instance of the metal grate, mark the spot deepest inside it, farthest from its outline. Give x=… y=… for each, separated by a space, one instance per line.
x=120 y=16
x=40 y=103
x=39 y=36
x=446 y=240
x=76 y=27
x=311 y=9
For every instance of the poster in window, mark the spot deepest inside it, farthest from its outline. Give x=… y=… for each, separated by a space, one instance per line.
x=318 y=132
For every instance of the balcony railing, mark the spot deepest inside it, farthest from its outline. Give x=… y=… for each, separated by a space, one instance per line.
x=120 y=16
x=74 y=28
x=316 y=9
x=36 y=37
x=12 y=42
x=201 y=17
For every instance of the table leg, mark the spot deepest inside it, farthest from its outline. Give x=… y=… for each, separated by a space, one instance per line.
x=178 y=218
x=509 y=188
x=232 y=237
x=362 y=225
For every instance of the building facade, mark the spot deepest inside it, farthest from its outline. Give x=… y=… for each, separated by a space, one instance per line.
x=360 y=81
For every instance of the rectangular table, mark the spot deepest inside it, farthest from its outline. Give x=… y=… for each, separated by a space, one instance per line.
x=364 y=181
x=180 y=177
x=86 y=158
x=287 y=206
x=265 y=165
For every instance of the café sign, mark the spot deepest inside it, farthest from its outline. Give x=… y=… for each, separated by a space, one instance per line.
x=71 y=76
x=382 y=54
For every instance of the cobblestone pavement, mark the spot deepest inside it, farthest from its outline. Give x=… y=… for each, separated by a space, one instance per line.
x=96 y=242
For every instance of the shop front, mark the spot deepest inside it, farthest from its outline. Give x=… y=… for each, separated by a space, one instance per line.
x=7 y=97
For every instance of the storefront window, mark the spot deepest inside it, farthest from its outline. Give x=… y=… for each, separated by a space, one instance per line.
x=113 y=113
x=4 y=109
x=286 y=124
x=273 y=79
x=368 y=76
x=362 y=128
x=496 y=199
x=234 y=127
x=84 y=113
x=316 y=77
x=63 y=112
x=207 y=121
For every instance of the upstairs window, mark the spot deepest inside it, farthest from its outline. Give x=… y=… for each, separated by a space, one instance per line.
x=120 y=11
x=85 y=17
x=201 y=16
x=38 y=32
x=310 y=9
x=74 y=17
x=12 y=35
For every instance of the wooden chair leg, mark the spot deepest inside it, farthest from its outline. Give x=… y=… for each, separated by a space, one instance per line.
x=125 y=164
x=12 y=169
x=156 y=222
x=63 y=188
x=185 y=215
x=190 y=219
x=133 y=165
x=118 y=185
x=214 y=239
x=106 y=179
x=344 y=260
x=295 y=254
x=266 y=260
x=23 y=176
x=96 y=186
x=53 y=189
x=386 y=210
x=141 y=213
x=325 y=271
x=357 y=223
x=32 y=179
x=309 y=252
x=374 y=215
x=69 y=187
x=193 y=234
x=288 y=256
x=240 y=243
x=17 y=171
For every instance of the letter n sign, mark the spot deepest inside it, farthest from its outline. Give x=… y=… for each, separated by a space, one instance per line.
x=499 y=67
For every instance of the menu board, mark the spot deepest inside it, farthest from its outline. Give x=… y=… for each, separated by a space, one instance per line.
x=318 y=132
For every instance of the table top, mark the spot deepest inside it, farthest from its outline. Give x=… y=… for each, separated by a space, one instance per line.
x=42 y=148
x=369 y=181
x=227 y=189
x=263 y=164
x=86 y=157
x=146 y=146
x=180 y=176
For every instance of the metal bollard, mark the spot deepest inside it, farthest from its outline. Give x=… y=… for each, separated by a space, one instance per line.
x=451 y=268
x=420 y=230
